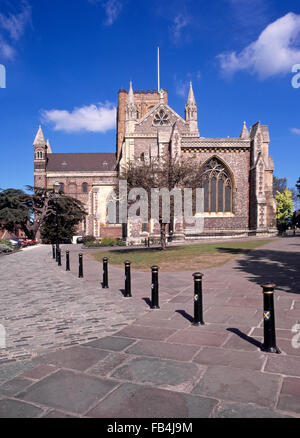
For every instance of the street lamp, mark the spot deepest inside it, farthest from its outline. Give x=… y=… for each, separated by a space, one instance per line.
x=56 y=188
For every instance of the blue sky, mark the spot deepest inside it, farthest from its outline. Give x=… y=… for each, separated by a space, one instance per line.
x=66 y=60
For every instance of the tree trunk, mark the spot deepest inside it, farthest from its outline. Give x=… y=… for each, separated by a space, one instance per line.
x=163 y=236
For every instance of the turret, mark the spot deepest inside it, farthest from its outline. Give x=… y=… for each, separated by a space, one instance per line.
x=131 y=111
x=191 y=111
x=40 y=159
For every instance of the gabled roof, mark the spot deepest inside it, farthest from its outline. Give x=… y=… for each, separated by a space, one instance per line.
x=155 y=108
x=85 y=162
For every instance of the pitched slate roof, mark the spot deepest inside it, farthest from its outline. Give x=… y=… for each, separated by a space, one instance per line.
x=100 y=162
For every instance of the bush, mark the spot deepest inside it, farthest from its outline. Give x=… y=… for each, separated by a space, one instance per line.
x=6 y=242
x=92 y=244
x=105 y=242
x=89 y=239
x=5 y=249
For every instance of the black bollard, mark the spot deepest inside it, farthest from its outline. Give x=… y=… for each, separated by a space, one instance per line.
x=68 y=261
x=155 y=287
x=59 y=257
x=269 y=345
x=53 y=252
x=198 y=302
x=127 y=279
x=105 y=273
x=80 y=266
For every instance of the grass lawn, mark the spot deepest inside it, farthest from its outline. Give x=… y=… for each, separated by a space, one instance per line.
x=181 y=258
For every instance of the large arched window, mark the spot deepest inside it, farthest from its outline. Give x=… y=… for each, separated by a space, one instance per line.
x=217 y=185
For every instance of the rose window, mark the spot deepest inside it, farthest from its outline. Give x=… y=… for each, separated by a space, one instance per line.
x=161 y=118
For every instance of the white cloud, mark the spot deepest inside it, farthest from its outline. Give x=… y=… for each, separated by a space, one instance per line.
x=12 y=28
x=179 y=23
x=92 y=118
x=274 y=52
x=295 y=131
x=182 y=86
x=112 y=9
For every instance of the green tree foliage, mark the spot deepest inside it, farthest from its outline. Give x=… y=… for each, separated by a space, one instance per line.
x=285 y=206
x=29 y=211
x=70 y=213
x=13 y=210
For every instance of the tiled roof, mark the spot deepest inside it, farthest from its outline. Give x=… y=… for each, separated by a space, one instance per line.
x=100 y=162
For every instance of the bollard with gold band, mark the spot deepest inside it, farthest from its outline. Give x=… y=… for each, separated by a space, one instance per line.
x=128 y=279
x=198 y=301
x=269 y=345
x=155 y=287
x=105 y=273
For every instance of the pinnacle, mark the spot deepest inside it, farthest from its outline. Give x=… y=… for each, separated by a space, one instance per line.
x=245 y=133
x=39 y=138
x=191 y=96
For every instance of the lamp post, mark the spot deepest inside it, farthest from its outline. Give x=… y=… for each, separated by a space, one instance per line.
x=56 y=188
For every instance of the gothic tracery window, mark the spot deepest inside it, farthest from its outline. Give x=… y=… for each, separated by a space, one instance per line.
x=217 y=185
x=161 y=118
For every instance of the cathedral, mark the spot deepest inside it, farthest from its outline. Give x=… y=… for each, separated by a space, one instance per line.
x=238 y=182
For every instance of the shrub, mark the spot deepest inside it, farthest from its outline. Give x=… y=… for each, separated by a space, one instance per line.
x=89 y=239
x=109 y=242
x=92 y=244
x=105 y=242
x=6 y=242
x=5 y=249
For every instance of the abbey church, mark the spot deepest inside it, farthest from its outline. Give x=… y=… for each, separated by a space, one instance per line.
x=238 y=183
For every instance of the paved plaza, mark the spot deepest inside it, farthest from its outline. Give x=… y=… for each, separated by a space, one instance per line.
x=76 y=350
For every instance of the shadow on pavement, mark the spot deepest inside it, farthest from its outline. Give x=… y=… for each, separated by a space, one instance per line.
x=185 y=315
x=245 y=337
x=263 y=266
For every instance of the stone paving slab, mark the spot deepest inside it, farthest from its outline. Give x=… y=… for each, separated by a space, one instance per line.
x=289 y=399
x=180 y=376
x=285 y=365
x=201 y=338
x=76 y=358
x=69 y=391
x=141 y=332
x=111 y=343
x=164 y=350
x=241 y=410
x=16 y=409
x=240 y=385
x=136 y=401
x=238 y=359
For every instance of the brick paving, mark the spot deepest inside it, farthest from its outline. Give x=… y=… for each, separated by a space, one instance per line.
x=75 y=350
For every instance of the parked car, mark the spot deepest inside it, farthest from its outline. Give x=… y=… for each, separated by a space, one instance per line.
x=79 y=240
x=30 y=242
x=15 y=242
